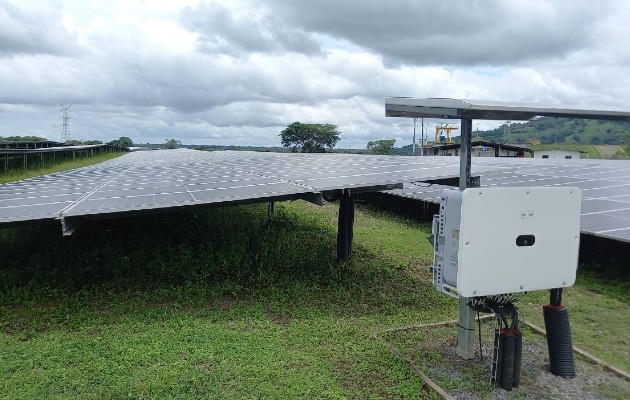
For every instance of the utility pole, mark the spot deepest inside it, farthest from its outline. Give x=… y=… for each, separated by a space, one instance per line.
x=413 y=149
x=65 y=123
x=422 y=137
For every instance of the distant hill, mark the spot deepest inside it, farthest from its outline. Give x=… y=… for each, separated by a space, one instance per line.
x=550 y=130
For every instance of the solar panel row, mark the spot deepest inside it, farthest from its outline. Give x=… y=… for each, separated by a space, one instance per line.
x=164 y=179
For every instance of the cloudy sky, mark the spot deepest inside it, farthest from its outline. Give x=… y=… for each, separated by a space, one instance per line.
x=238 y=71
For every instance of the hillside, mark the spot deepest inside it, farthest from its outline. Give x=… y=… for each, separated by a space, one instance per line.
x=561 y=130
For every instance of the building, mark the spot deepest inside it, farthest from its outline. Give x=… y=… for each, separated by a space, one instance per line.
x=479 y=148
x=559 y=154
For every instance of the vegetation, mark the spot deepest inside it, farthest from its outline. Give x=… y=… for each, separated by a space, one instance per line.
x=214 y=303
x=172 y=144
x=561 y=130
x=58 y=166
x=22 y=139
x=383 y=146
x=214 y=147
x=310 y=138
x=123 y=141
x=84 y=142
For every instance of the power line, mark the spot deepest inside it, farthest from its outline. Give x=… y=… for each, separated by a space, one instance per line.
x=65 y=123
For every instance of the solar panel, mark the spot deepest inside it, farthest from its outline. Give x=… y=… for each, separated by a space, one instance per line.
x=605 y=187
x=158 y=180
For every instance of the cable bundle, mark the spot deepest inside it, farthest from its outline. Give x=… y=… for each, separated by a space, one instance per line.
x=508 y=339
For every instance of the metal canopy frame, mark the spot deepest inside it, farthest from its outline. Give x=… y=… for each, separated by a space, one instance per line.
x=466 y=111
x=445 y=108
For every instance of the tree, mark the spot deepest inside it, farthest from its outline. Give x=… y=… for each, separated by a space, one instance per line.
x=383 y=146
x=82 y=142
x=172 y=144
x=122 y=141
x=22 y=139
x=310 y=138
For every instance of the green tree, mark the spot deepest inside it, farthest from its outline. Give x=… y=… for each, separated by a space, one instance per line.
x=22 y=139
x=310 y=138
x=172 y=144
x=80 y=142
x=123 y=141
x=383 y=146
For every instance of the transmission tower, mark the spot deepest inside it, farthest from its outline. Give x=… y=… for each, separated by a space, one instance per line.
x=65 y=123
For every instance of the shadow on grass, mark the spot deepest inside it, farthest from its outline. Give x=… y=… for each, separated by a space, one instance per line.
x=604 y=266
x=409 y=209
x=221 y=259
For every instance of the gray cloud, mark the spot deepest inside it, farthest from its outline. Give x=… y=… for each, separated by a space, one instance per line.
x=40 y=31
x=452 y=32
x=222 y=32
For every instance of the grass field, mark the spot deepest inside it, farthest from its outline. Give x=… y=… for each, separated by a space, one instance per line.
x=224 y=303
x=18 y=174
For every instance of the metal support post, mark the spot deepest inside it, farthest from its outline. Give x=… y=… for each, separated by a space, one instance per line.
x=422 y=137
x=466 y=323
x=413 y=149
x=272 y=209
x=345 y=226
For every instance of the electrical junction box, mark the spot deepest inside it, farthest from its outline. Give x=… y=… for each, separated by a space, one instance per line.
x=496 y=240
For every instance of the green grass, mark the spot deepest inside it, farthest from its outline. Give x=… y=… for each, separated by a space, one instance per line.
x=218 y=303
x=19 y=174
x=223 y=303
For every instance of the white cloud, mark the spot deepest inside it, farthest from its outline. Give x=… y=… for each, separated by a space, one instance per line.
x=237 y=72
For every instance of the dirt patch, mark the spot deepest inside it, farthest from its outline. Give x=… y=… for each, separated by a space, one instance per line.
x=470 y=379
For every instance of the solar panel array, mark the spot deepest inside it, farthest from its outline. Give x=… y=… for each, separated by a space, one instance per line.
x=158 y=180
x=154 y=180
x=605 y=187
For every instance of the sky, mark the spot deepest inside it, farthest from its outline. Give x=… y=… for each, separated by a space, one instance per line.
x=237 y=72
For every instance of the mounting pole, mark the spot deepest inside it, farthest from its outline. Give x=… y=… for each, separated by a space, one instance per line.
x=422 y=137
x=466 y=323
x=413 y=149
x=345 y=226
x=271 y=209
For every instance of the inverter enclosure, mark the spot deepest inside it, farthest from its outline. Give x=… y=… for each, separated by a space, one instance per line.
x=491 y=241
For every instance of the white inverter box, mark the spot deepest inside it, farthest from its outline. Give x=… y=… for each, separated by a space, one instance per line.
x=497 y=240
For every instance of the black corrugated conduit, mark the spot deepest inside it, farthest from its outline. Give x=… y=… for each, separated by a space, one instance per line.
x=559 y=343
